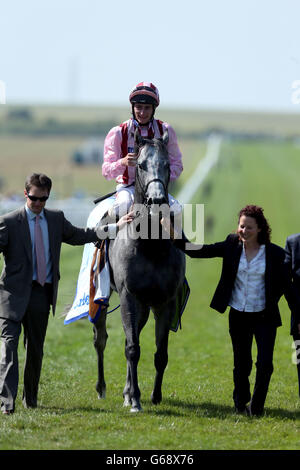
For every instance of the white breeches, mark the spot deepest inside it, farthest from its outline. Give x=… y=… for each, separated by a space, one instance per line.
x=125 y=197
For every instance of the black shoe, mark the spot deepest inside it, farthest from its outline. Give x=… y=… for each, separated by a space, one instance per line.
x=242 y=410
x=29 y=404
x=255 y=413
x=26 y=405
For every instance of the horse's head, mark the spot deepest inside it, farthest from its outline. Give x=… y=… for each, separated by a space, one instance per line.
x=152 y=172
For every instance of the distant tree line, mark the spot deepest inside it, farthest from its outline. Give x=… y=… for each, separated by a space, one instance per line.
x=21 y=121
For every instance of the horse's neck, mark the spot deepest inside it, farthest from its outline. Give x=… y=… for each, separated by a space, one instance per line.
x=155 y=250
x=148 y=238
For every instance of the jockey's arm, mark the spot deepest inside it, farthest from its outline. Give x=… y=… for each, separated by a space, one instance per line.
x=112 y=162
x=175 y=155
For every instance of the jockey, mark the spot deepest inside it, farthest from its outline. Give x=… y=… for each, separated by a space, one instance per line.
x=119 y=161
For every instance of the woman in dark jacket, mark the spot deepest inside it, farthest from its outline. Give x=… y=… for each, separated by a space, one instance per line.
x=254 y=277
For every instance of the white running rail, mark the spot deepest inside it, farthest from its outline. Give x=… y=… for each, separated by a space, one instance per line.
x=211 y=157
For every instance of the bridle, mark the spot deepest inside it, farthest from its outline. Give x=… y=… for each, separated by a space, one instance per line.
x=144 y=190
x=159 y=180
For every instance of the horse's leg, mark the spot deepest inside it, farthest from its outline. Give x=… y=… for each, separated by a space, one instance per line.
x=100 y=338
x=126 y=392
x=130 y=312
x=162 y=325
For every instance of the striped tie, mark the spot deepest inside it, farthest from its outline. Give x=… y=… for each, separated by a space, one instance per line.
x=39 y=252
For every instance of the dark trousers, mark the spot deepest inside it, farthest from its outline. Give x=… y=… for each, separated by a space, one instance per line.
x=35 y=323
x=243 y=327
x=297 y=346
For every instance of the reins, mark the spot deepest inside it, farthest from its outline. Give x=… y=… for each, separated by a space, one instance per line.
x=159 y=180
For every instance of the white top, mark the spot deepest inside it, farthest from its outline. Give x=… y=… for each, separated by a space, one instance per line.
x=248 y=294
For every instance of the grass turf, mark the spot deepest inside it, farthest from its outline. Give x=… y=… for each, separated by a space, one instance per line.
x=197 y=408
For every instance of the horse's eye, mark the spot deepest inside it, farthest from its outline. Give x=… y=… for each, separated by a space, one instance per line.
x=142 y=166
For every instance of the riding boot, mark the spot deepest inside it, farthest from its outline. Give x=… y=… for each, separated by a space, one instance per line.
x=112 y=215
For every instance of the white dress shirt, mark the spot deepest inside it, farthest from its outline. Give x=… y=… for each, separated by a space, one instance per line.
x=248 y=294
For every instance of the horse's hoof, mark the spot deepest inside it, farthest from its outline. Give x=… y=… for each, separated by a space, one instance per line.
x=135 y=406
x=127 y=402
x=136 y=409
x=156 y=399
x=101 y=393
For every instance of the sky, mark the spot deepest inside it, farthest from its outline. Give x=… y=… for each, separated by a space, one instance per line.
x=213 y=54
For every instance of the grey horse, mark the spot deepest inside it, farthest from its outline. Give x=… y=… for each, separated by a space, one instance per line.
x=147 y=271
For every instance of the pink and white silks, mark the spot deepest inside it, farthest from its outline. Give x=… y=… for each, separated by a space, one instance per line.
x=120 y=141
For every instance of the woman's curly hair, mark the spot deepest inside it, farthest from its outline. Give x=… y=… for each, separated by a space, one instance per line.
x=264 y=236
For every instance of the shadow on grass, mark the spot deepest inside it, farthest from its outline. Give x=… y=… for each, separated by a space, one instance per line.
x=176 y=407
x=283 y=414
x=179 y=408
x=74 y=409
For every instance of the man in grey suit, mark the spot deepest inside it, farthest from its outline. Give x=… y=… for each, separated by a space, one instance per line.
x=292 y=248
x=30 y=240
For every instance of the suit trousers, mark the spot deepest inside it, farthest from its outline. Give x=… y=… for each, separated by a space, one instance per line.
x=34 y=323
x=243 y=327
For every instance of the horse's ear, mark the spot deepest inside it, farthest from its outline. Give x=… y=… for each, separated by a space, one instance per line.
x=165 y=137
x=137 y=139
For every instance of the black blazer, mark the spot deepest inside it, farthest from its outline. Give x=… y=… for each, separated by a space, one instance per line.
x=277 y=277
x=15 y=244
x=292 y=248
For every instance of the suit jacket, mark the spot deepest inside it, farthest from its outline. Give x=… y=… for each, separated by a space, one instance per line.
x=292 y=248
x=15 y=244
x=278 y=280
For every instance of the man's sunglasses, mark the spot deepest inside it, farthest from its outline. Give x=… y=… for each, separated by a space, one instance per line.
x=36 y=198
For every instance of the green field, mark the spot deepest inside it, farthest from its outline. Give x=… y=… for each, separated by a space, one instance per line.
x=197 y=409
x=22 y=155
x=184 y=120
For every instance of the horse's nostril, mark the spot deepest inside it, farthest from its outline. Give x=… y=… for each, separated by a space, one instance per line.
x=160 y=201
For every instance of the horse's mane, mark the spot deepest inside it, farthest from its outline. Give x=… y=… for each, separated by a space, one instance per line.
x=155 y=142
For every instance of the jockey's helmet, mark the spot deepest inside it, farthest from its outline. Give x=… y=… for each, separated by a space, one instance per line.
x=145 y=92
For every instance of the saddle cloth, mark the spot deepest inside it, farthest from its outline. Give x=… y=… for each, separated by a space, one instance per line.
x=93 y=285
